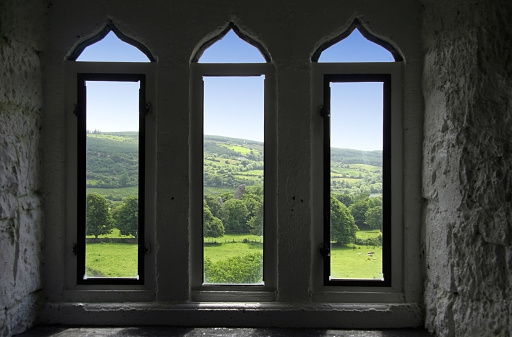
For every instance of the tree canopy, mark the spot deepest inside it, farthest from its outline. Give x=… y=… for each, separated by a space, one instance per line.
x=127 y=217
x=98 y=218
x=213 y=227
x=343 y=227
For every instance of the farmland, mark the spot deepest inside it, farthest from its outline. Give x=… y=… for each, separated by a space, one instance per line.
x=228 y=162
x=233 y=174
x=120 y=260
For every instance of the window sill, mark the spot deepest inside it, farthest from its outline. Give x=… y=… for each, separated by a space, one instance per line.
x=233 y=295
x=109 y=294
x=226 y=314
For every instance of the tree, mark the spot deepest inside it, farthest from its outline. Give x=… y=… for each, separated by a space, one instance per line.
x=98 y=218
x=253 y=203
x=255 y=189
x=374 y=217
x=234 y=215
x=212 y=226
x=346 y=199
x=375 y=201
x=255 y=222
x=237 y=269
x=123 y=179
x=127 y=217
x=343 y=227
x=358 y=210
x=216 y=181
x=213 y=204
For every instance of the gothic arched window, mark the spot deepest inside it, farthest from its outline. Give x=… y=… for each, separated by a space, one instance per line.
x=233 y=137
x=111 y=72
x=357 y=83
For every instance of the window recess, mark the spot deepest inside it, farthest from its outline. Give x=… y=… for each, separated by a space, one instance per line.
x=109 y=150
x=357 y=179
x=232 y=137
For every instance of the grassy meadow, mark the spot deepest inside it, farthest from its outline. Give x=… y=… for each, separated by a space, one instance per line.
x=111 y=260
x=112 y=164
x=350 y=261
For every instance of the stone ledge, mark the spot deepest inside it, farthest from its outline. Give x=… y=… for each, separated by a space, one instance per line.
x=341 y=316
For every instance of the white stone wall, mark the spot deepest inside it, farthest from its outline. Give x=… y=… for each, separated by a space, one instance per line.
x=467 y=167
x=173 y=30
x=467 y=87
x=20 y=161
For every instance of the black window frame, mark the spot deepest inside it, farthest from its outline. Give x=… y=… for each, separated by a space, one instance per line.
x=81 y=112
x=385 y=79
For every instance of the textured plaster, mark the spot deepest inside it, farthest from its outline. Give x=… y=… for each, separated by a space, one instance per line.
x=467 y=177
x=290 y=31
x=172 y=30
x=20 y=203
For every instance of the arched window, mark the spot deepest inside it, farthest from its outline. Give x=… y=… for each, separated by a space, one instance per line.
x=111 y=45
x=110 y=73
x=112 y=49
x=356 y=44
x=232 y=128
x=357 y=83
x=356 y=48
x=231 y=48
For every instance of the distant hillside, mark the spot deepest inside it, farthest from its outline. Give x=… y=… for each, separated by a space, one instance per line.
x=112 y=162
x=112 y=159
x=348 y=156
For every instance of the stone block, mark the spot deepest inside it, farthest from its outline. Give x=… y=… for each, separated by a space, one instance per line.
x=7 y=240
x=20 y=71
x=24 y=21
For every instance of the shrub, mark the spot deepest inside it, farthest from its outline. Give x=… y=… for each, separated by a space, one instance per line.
x=239 y=269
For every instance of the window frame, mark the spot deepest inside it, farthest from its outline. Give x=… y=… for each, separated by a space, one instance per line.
x=135 y=290
x=357 y=290
x=385 y=79
x=232 y=292
x=82 y=78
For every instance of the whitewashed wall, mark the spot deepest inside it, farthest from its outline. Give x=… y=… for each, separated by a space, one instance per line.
x=21 y=232
x=467 y=167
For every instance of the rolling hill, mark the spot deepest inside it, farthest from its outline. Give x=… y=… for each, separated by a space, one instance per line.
x=112 y=163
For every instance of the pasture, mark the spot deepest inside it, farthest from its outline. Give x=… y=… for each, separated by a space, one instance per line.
x=120 y=259
x=111 y=260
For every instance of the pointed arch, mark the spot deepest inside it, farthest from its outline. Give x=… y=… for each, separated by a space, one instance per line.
x=240 y=34
x=356 y=24
x=109 y=27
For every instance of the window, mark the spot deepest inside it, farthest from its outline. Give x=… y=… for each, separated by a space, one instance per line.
x=110 y=179
x=358 y=87
x=184 y=156
x=120 y=48
x=356 y=179
x=110 y=150
x=232 y=88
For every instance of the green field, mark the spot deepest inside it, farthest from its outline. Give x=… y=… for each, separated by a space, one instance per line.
x=120 y=259
x=232 y=245
x=243 y=150
x=112 y=163
x=111 y=260
x=115 y=194
x=354 y=262
x=116 y=234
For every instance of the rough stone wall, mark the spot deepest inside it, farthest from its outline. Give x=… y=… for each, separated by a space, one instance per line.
x=20 y=204
x=468 y=167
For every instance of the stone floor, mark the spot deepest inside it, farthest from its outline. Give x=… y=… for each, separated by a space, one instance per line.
x=45 y=331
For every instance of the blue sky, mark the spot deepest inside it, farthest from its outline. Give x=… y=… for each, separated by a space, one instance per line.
x=234 y=105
